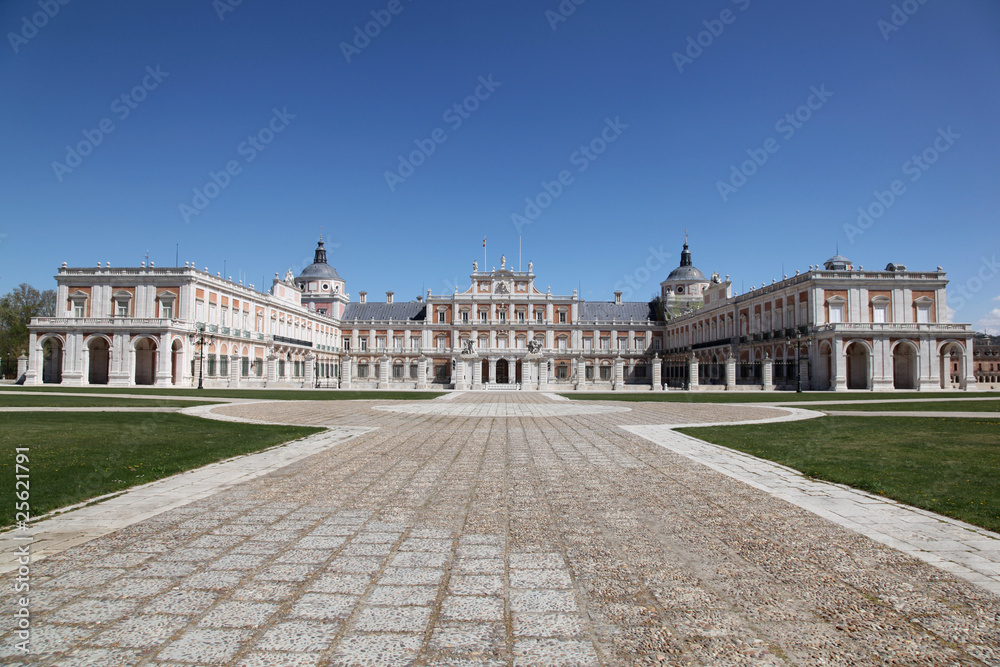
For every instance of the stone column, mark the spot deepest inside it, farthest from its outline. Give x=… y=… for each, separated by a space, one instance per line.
x=730 y=373
x=72 y=372
x=493 y=370
x=422 y=372
x=235 y=370
x=657 y=373
x=22 y=366
x=803 y=374
x=477 y=373
x=968 y=371
x=838 y=366
x=511 y=369
x=693 y=372
x=118 y=373
x=543 y=374
x=310 y=371
x=272 y=368
x=767 y=373
x=618 y=383
x=459 y=377
x=163 y=353
x=383 y=372
x=346 y=372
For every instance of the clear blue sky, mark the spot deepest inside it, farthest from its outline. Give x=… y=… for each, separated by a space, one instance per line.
x=677 y=135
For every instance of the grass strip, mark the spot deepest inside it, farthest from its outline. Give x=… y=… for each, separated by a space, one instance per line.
x=259 y=394
x=76 y=456
x=948 y=466
x=766 y=396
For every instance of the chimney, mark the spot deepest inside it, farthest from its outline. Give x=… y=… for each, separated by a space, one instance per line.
x=388 y=297
x=618 y=298
x=362 y=297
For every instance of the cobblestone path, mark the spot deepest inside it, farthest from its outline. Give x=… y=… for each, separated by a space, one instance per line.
x=501 y=534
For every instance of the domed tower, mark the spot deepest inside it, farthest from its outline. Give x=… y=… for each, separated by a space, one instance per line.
x=323 y=290
x=682 y=290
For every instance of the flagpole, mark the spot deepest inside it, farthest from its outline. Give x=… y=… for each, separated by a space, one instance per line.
x=484 y=254
x=519 y=253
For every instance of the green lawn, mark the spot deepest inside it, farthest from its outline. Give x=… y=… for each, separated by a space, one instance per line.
x=48 y=400
x=948 y=466
x=934 y=406
x=260 y=394
x=76 y=456
x=767 y=396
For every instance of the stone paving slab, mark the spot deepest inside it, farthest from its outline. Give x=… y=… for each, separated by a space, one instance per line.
x=466 y=540
x=967 y=551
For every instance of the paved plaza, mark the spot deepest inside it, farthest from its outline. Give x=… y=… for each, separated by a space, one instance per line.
x=503 y=529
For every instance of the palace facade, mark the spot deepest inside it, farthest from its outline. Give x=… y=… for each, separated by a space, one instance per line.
x=832 y=328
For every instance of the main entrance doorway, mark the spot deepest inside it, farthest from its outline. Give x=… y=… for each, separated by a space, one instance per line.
x=503 y=372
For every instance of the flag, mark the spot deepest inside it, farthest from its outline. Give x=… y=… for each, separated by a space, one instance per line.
x=484 y=241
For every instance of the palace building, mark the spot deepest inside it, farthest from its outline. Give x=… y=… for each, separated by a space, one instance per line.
x=835 y=327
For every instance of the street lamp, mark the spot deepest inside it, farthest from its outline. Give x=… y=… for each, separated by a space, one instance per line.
x=200 y=338
x=798 y=374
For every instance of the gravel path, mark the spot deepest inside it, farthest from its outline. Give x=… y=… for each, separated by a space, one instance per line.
x=520 y=537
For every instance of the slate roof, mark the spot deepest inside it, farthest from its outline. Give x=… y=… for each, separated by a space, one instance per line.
x=379 y=310
x=609 y=310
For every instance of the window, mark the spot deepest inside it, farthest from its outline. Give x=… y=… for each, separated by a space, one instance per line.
x=441 y=317
x=397 y=371
x=413 y=371
x=79 y=308
x=539 y=316
x=223 y=365
x=122 y=309
x=441 y=373
x=397 y=343
x=199 y=311
x=210 y=371
x=258 y=367
x=562 y=344
x=605 y=343
x=640 y=371
x=521 y=342
x=589 y=373
x=562 y=372
x=167 y=310
x=465 y=316
x=923 y=314
x=640 y=343
x=836 y=313
x=364 y=342
x=502 y=342
x=245 y=366
x=656 y=343
x=503 y=315
x=483 y=316
x=622 y=343
x=562 y=317
x=362 y=370
x=520 y=316
x=588 y=345
x=441 y=344
x=414 y=342
x=380 y=343
x=212 y=314
x=347 y=343
x=879 y=314
x=605 y=372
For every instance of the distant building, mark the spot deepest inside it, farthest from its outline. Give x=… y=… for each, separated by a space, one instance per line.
x=834 y=327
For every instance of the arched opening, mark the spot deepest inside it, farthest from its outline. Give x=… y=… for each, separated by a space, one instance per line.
x=823 y=366
x=904 y=366
x=857 y=366
x=145 y=361
x=176 y=363
x=503 y=376
x=100 y=357
x=52 y=361
x=952 y=366
x=486 y=371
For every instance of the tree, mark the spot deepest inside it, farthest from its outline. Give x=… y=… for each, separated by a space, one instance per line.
x=16 y=310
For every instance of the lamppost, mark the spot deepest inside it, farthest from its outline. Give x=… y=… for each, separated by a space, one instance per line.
x=798 y=344
x=200 y=338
